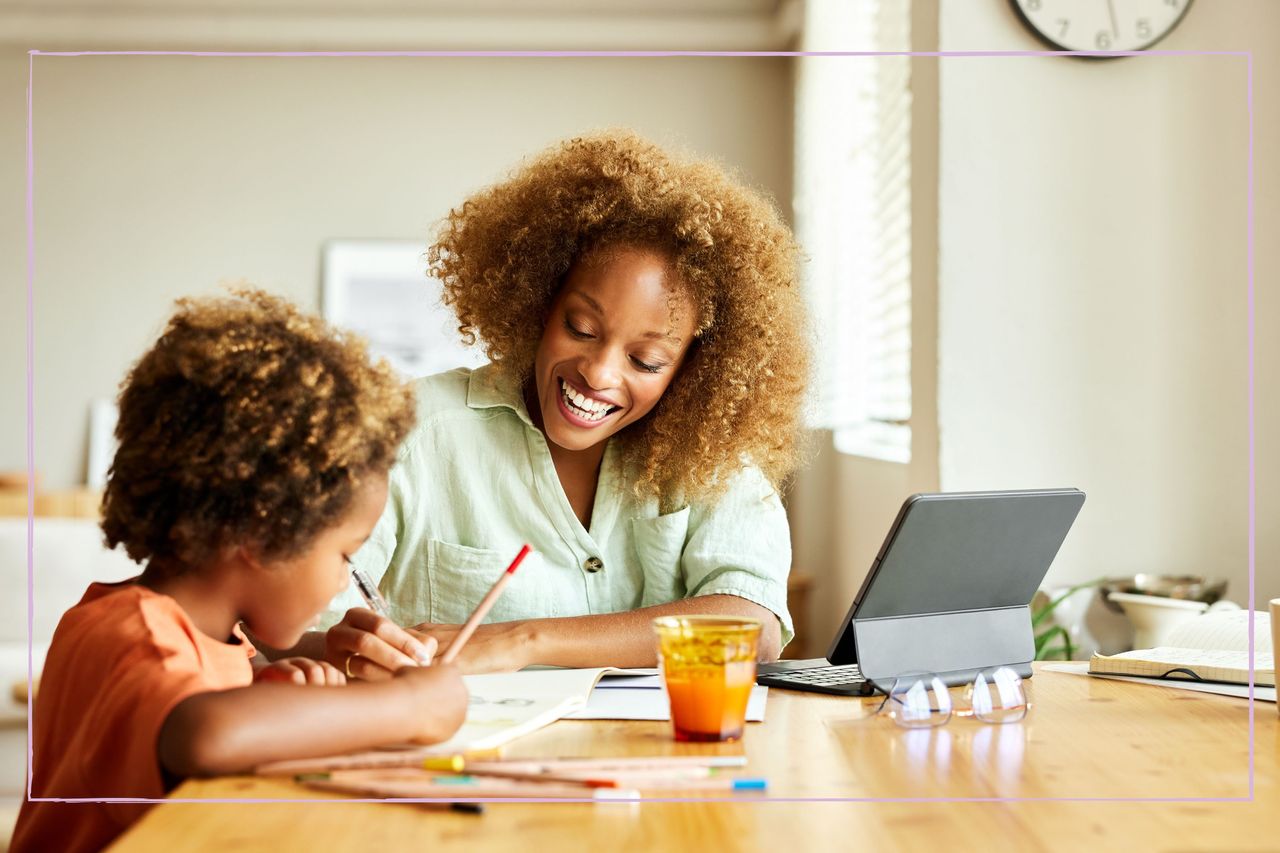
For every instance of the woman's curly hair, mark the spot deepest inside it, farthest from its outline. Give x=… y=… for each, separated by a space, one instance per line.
x=504 y=253
x=248 y=422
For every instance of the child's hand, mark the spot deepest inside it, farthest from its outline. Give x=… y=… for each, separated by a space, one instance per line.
x=439 y=700
x=301 y=671
x=368 y=646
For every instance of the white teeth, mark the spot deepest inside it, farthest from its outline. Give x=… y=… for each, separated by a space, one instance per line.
x=583 y=406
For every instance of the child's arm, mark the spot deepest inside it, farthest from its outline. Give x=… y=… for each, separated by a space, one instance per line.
x=233 y=731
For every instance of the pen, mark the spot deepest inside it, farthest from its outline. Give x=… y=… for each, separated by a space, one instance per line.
x=482 y=609
x=372 y=597
x=369 y=592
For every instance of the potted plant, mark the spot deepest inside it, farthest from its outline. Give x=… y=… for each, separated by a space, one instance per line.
x=1053 y=641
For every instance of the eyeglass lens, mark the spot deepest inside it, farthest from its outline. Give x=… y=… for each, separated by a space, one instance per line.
x=920 y=699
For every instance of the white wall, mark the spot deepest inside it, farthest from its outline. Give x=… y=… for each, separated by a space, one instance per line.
x=158 y=177
x=1093 y=281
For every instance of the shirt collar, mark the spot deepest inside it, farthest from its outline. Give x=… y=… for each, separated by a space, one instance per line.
x=490 y=388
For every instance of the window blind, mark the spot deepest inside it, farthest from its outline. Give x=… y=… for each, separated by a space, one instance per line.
x=853 y=217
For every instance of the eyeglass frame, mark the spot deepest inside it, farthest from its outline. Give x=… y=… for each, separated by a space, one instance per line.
x=970 y=686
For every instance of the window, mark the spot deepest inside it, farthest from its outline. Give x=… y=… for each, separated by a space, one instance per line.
x=853 y=217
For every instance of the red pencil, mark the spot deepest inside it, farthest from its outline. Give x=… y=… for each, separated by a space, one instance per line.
x=482 y=609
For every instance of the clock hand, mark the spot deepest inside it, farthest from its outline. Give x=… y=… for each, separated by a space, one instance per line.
x=1115 y=30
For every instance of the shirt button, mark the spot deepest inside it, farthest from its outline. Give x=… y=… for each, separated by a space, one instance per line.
x=593 y=564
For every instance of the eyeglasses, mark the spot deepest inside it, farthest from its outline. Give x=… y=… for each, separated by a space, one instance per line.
x=917 y=700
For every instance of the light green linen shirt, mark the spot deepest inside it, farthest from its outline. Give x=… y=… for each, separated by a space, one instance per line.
x=474 y=479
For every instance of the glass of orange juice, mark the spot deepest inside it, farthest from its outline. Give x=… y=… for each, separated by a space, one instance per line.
x=708 y=667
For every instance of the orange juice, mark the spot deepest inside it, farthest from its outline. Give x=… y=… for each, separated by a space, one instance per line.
x=710 y=703
x=708 y=667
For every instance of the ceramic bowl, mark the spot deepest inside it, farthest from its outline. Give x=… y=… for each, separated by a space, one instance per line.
x=1188 y=587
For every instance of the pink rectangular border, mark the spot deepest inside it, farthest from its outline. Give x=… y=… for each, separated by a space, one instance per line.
x=30 y=212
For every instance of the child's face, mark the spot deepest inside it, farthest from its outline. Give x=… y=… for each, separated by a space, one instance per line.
x=291 y=593
x=614 y=340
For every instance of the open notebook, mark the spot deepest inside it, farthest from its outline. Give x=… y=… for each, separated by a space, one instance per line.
x=505 y=706
x=1213 y=647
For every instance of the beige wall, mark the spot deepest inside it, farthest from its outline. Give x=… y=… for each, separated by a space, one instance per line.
x=1092 y=319
x=13 y=259
x=157 y=177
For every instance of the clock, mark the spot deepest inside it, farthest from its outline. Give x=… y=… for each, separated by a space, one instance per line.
x=1101 y=24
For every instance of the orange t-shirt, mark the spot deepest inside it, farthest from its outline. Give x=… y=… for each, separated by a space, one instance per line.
x=119 y=663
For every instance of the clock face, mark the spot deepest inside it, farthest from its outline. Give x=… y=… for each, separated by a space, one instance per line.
x=1101 y=24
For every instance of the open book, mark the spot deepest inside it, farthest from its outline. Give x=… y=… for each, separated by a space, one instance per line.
x=1213 y=647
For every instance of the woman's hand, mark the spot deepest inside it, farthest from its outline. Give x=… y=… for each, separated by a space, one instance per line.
x=496 y=647
x=371 y=647
x=301 y=671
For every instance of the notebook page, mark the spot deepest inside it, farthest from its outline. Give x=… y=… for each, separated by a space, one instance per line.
x=1223 y=629
x=1211 y=664
x=1260 y=692
x=645 y=703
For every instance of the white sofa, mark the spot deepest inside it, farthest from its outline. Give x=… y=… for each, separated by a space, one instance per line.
x=68 y=555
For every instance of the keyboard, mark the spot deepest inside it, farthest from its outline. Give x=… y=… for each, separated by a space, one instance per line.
x=837 y=680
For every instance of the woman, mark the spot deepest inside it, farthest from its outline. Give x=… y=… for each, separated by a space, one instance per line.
x=641 y=409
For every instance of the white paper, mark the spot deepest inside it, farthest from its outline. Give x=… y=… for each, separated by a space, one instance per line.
x=1262 y=694
x=621 y=682
x=649 y=703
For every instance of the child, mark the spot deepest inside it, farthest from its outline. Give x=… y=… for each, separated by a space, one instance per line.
x=254 y=449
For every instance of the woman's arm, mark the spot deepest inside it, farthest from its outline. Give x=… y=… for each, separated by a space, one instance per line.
x=233 y=731
x=613 y=639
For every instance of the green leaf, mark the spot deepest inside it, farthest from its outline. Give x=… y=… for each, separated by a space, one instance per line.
x=1043 y=639
x=1043 y=614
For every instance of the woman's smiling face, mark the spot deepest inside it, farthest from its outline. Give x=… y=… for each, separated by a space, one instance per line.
x=615 y=337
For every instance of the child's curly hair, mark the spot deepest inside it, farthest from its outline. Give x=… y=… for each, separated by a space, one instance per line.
x=248 y=422
x=504 y=253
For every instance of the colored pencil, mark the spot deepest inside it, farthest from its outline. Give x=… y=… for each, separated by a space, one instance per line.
x=594 y=778
x=625 y=762
x=421 y=758
x=430 y=789
x=482 y=609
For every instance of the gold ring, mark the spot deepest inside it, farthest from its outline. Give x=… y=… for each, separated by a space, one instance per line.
x=347 y=666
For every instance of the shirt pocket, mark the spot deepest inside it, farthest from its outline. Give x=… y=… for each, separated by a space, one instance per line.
x=659 y=544
x=461 y=576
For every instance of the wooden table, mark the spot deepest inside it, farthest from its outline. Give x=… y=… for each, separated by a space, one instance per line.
x=1084 y=738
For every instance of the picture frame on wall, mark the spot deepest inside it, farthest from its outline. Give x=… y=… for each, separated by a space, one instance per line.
x=381 y=290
